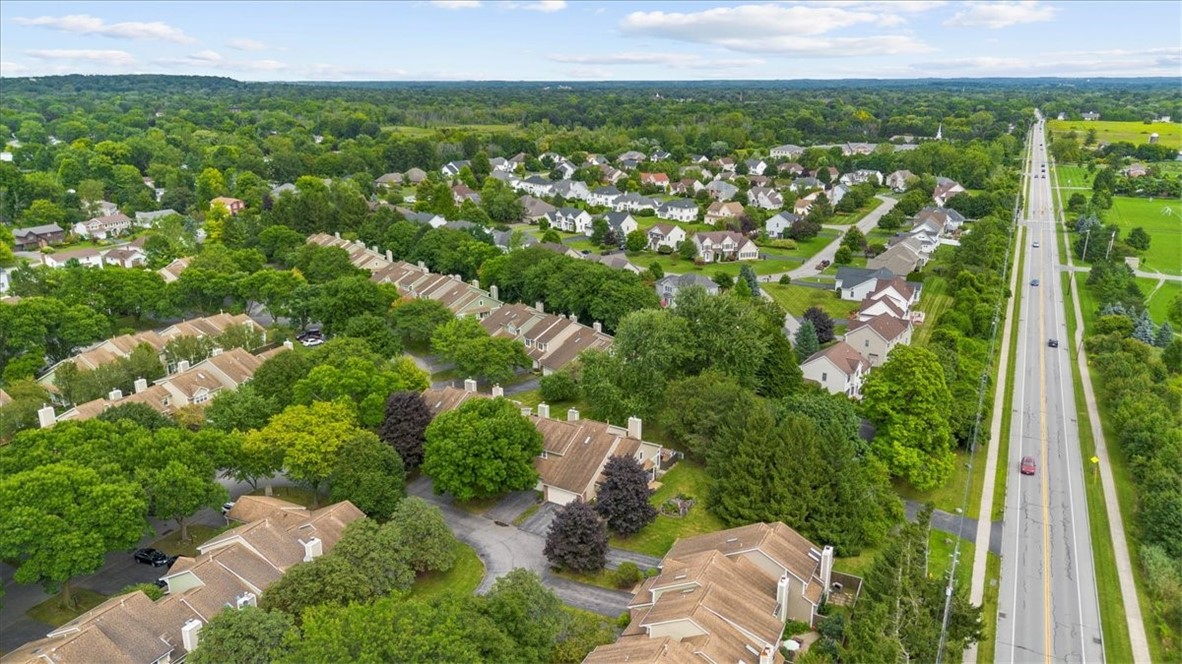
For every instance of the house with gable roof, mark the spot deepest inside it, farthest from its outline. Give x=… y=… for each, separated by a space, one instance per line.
x=679 y=209
x=778 y=225
x=720 y=211
x=875 y=337
x=839 y=368
x=717 y=246
x=665 y=235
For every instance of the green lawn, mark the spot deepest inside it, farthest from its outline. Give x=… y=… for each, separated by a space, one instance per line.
x=858 y=260
x=997 y=511
x=808 y=248
x=52 y=613
x=845 y=218
x=796 y=299
x=933 y=301
x=1071 y=176
x=198 y=534
x=1162 y=220
x=1160 y=301
x=688 y=478
x=940 y=549
x=989 y=608
x=775 y=263
x=948 y=497
x=462 y=578
x=292 y=494
x=1112 y=132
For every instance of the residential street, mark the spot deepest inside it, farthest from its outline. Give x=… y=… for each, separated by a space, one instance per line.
x=809 y=268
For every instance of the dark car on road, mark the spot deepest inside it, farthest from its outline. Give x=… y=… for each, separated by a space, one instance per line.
x=153 y=557
x=1028 y=465
x=1053 y=343
x=310 y=338
x=1034 y=282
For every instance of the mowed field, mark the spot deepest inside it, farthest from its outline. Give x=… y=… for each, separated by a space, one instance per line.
x=1162 y=219
x=1132 y=132
x=1073 y=177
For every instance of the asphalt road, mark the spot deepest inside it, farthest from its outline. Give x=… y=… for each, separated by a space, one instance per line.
x=1048 y=609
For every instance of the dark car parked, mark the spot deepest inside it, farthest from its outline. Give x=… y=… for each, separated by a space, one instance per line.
x=153 y=557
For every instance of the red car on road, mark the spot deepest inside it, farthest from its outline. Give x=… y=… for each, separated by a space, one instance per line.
x=1028 y=466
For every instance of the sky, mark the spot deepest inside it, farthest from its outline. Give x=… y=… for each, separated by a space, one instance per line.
x=569 y=40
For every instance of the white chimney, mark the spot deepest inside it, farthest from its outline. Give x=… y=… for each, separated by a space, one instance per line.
x=768 y=655
x=46 y=418
x=422 y=266
x=475 y=283
x=245 y=599
x=826 y=569
x=634 y=428
x=526 y=411
x=540 y=306
x=469 y=385
x=115 y=395
x=597 y=326
x=544 y=411
x=494 y=292
x=572 y=415
x=312 y=549
x=375 y=249
x=140 y=385
x=215 y=352
x=288 y=344
x=182 y=366
x=337 y=234
x=498 y=391
x=389 y=256
x=189 y=633
x=782 y=597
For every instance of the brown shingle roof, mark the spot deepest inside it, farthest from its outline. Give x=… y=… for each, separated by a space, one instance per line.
x=844 y=356
x=885 y=325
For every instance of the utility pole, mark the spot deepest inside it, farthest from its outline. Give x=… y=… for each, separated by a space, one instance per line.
x=1110 y=241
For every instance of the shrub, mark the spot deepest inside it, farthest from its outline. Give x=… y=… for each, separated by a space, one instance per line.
x=558 y=387
x=785 y=279
x=626 y=575
x=665 y=250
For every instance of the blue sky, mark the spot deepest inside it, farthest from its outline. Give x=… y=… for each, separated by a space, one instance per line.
x=571 y=40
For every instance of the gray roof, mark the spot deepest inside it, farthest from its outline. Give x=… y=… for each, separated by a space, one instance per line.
x=683 y=203
x=852 y=276
x=154 y=215
x=538 y=179
x=606 y=191
x=37 y=230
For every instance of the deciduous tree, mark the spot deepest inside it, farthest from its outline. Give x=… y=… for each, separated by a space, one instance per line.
x=407 y=417
x=248 y=635
x=622 y=499
x=577 y=539
x=482 y=448
x=370 y=475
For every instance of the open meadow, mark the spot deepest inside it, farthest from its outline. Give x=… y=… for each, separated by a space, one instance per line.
x=1170 y=133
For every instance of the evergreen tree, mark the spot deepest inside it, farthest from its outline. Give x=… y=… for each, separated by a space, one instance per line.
x=1165 y=334
x=805 y=341
x=1145 y=331
x=747 y=273
x=623 y=498
x=780 y=374
x=822 y=324
x=577 y=539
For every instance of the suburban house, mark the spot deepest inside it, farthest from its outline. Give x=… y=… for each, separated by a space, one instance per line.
x=686 y=187
x=1136 y=171
x=535 y=208
x=1090 y=116
x=505 y=241
x=33 y=238
x=898 y=181
x=721 y=190
x=570 y=219
x=551 y=340
x=777 y=226
x=727 y=164
x=425 y=218
x=615 y=261
x=725 y=246
x=231 y=572
x=755 y=166
x=173 y=270
x=804 y=204
x=699 y=159
x=612 y=174
x=875 y=337
x=574 y=450
x=660 y=155
x=462 y=192
x=665 y=235
x=903 y=257
x=806 y=183
x=671 y=284
x=536 y=185
x=904 y=294
x=884 y=306
x=631 y=155
x=86 y=257
x=655 y=179
x=942 y=221
x=946 y=189
x=152 y=218
x=605 y=196
x=572 y=190
x=791 y=168
x=620 y=223
x=560 y=249
x=634 y=202
x=786 y=151
x=101 y=228
x=836 y=193
x=765 y=198
x=192 y=385
x=862 y=176
x=565 y=168
x=839 y=368
x=719 y=211
x=759 y=181
x=453 y=168
x=388 y=181
x=855 y=283
x=232 y=205
x=127 y=255
x=285 y=188
x=679 y=209
x=415 y=175
x=726 y=597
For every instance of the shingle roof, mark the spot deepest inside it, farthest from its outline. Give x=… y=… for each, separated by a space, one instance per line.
x=844 y=356
x=885 y=325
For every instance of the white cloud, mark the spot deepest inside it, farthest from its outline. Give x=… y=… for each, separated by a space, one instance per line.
x=456 y=4
x=544 y=6
x=671 y=60
x=243 y=44
x=1112 y=62
x=121 y=58
x=12 y=68
x=213 y=60
x=84 y=24
x=779 y=29
x=1001 y=14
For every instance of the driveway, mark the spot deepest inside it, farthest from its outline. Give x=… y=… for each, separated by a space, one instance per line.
x=954 y=524
x=809 y=268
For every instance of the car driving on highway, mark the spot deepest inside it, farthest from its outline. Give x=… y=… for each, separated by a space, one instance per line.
x=1028 y=466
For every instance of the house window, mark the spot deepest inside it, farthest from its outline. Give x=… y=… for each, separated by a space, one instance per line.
x=866 y=343
x=824 y=376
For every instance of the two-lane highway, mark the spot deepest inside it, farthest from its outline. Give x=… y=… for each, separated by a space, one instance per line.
x=1047 y=609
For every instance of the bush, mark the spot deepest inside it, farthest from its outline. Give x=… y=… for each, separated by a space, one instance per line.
x=153 y=591
x=624 y=620
x=785 y=279
x=626 y=575
x=558 y=387
x=665 y=250
x=778 y=244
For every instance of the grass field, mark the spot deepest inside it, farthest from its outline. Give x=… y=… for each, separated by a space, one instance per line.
x=688 y=478
x=796 y=299
x=1111 y=132
x=52 y=613
x=461 y=579
x=198 y=534
x=846 y=218
x=948 y=497
x=1073 y=177
x=933 y=301
x=1161 y=298
x=292 y=494
x=1164 y=228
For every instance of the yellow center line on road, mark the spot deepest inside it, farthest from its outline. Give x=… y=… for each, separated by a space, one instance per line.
x=1046 y=518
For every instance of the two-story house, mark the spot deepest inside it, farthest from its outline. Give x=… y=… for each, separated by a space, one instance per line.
x=720 y=211
x=665 y=235
x=671 y=284
x=778 y=225
x=570 y=219
x=875 y=337
x=604 y=196
x=679 y=209
x=724 y=246
x=232 y=205
x=765 y=198
x=838 y=368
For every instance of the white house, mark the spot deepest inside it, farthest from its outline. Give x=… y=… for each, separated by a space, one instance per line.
x=101 y=228
x=946 y=189
x=605 y=196
x=837 y=193
x=633 y=202
x=787 y=151
x=862 y=176
x=876 y=337
x=855 y=283
x=840 y=369
x=756 y=166
x=725 y=245
x=572 y=190
x=569 y=219
x=453 y=168
x=678 y=209
x=671 y=284
x=536 y=185
x=621 y=223
x=87 y=257
x=898 y=181
x=665 y=235
x=778 y=225
x=765 y=198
